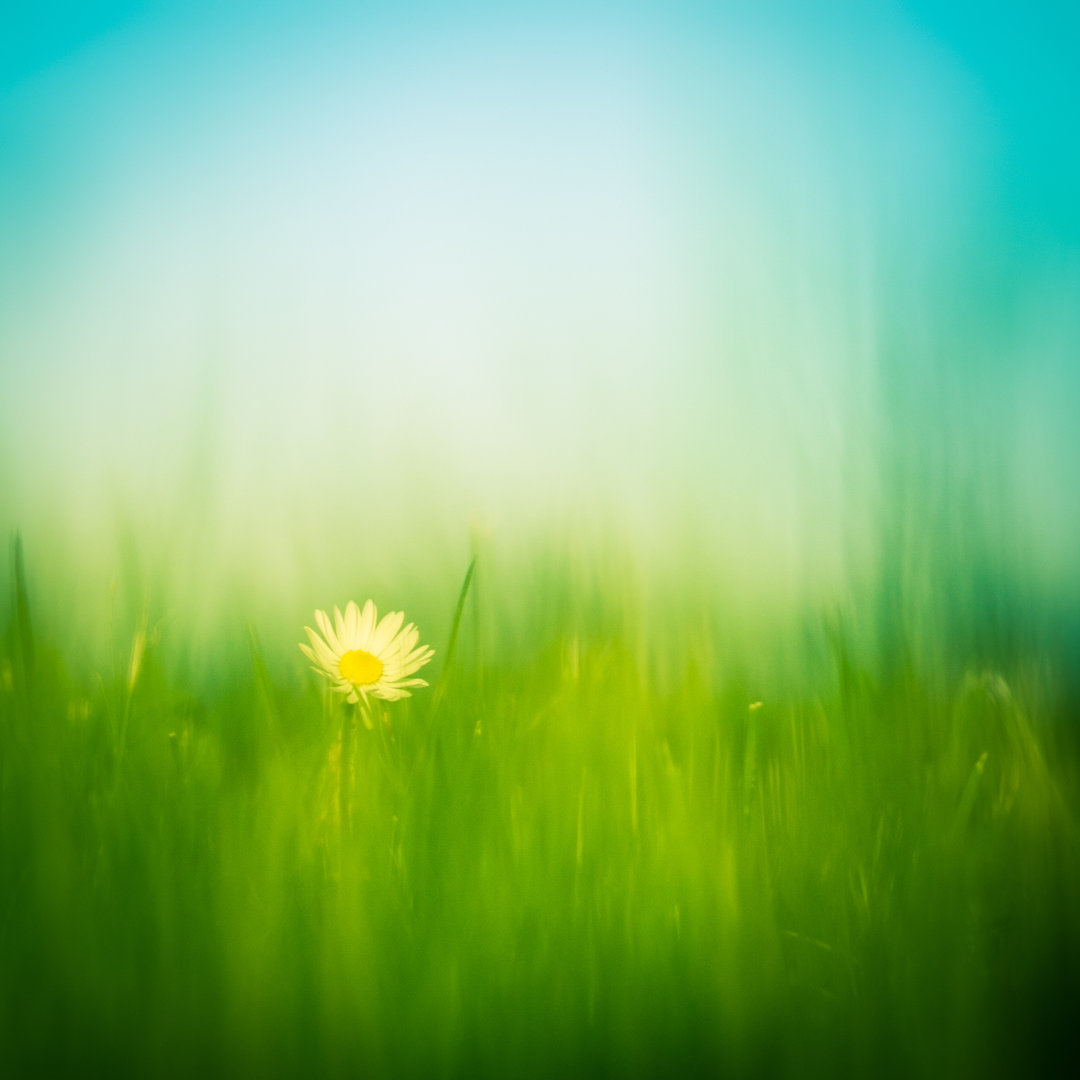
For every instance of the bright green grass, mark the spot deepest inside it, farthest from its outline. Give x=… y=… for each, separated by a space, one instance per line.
x=597 y=856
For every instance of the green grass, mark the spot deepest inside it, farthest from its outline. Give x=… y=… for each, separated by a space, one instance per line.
x=586 y=850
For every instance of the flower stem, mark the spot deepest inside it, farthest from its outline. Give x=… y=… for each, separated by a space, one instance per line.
x=348 y=723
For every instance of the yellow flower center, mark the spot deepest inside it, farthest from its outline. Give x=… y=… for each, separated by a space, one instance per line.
x=360 y=667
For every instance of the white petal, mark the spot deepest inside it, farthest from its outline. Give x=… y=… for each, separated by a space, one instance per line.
x=407 y=639
x=415 y=661
x=367 y=625
x=388 y=693
x=327 y=631
x=385 y=633
x=352 y=623
x=339 y=625
x=323 y=653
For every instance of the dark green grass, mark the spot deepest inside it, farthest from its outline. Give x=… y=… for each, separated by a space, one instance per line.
x=599 y=854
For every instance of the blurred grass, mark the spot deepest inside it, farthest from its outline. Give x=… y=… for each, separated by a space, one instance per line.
x=598 y=845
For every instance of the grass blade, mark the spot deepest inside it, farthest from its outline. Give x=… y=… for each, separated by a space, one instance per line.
x=451 y=647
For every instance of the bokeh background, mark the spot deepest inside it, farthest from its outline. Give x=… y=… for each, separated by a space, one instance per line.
x=785 y=297
x=735 y=348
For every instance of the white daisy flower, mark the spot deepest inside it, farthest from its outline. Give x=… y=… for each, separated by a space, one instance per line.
x=362 y=656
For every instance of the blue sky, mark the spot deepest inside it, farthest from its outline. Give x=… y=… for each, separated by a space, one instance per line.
x=564 y=251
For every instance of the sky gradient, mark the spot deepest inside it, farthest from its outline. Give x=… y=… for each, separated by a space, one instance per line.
x=776 y=279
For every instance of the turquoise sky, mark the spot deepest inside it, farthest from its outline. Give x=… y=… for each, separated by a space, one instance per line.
x=725 y=268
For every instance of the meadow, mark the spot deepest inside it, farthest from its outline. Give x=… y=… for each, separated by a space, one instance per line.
x=624 y=832
x=702 y=380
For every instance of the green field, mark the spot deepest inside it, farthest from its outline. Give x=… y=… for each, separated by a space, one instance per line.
x=626 y=831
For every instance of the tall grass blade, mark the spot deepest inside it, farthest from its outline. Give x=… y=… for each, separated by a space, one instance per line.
x=24 y=633
x=451 y=647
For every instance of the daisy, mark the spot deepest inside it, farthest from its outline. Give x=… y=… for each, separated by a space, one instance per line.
x=362 y=656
